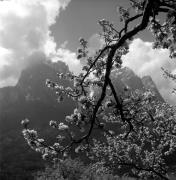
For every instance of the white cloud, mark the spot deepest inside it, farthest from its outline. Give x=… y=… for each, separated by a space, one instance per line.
x=24 y=30
x=144 y=60
x=70 y=58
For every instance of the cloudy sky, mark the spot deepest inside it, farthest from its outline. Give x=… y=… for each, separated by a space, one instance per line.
x=35 y=30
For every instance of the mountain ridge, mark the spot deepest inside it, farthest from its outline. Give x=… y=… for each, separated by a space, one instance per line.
x=30 y=98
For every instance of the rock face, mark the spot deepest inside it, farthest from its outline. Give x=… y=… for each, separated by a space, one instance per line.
x=149 y=84
x=126 y=77
x=31 y=92
x=31 y=99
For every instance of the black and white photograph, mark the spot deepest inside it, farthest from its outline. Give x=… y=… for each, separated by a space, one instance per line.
x=87 y=89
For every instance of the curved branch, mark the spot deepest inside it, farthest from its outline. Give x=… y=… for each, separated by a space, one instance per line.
x=140 y=27
x=93 y=64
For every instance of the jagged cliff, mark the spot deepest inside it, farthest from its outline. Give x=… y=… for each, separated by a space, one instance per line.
x=30 y=98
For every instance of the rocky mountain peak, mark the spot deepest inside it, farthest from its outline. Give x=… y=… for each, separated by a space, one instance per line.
x=31 y=99
x=127 y=77
x=149 y=84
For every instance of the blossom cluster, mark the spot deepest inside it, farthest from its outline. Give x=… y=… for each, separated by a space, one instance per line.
x=135 y=130
x=165 y=34
x=60 y=126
